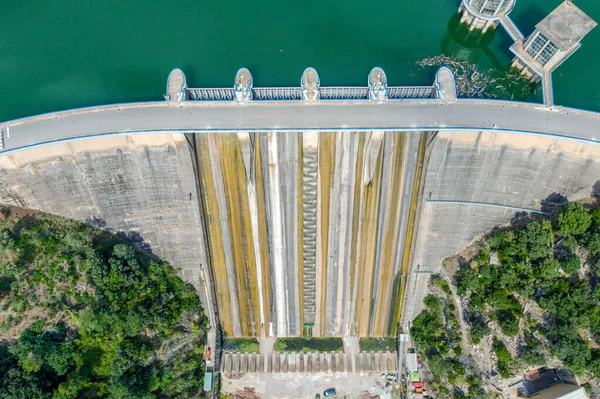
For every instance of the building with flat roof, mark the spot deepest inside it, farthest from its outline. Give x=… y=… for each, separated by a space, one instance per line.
x=555 y=38
x=547 y=384
x=484 y=14
x=561 y=391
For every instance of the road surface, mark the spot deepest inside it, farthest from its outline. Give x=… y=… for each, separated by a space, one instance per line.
x=191 y=116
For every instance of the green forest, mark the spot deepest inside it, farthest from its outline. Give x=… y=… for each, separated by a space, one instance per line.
x=85 y=315
x=534 y=286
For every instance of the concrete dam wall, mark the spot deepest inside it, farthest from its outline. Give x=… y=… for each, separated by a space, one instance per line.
x=140 y=185
x=476 y=181
x=284 y=232
x=305 y=229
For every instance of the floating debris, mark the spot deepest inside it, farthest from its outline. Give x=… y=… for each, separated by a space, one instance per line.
x=471 y=82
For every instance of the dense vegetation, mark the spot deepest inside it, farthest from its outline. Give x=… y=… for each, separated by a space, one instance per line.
x=378 y=344
x=83 y=314
x=303 y=345
x=247 y=345
x=541 y=264
x=534 y=288
x=435 y=333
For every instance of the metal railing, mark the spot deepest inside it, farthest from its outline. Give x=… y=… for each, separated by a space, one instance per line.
x=344 y=93
x=397 y=92
x=277 y=93
x=295 y=93
x=218 y=94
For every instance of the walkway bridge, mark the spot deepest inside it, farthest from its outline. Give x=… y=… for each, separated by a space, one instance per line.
x=308 y=91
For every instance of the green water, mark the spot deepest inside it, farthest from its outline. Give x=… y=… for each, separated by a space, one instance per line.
x=57 y=55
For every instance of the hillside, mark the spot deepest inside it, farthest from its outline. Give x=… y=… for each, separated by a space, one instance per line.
x=522 y=298
x=83 y=314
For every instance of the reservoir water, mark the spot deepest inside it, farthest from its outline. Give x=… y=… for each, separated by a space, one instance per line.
x=75 y=53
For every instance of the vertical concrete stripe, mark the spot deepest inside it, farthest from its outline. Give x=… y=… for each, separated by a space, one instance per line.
x=368 y=250
x=249 y=164
x=225 y=233
x=277 y=235
x=357 y=220
x=263 y=238
x=326 y=160
x=214 y=233
x=390 y=236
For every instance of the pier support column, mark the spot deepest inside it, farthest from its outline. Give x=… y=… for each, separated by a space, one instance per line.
x=176 y=86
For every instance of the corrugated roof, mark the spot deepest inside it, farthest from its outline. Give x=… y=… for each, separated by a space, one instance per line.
x=411 y=361
x=208 y=381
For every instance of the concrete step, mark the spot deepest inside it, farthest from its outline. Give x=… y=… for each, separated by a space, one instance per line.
x=235 y=365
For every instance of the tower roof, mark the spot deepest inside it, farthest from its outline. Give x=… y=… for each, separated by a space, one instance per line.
x=566 y=25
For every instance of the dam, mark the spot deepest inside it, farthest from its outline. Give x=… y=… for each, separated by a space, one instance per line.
x=302 y=211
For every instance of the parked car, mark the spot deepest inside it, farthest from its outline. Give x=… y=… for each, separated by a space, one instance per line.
x=317 y=396
x=329 y=392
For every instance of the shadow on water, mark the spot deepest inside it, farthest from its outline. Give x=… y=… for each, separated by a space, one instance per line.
x=527 y=20
x=465 y=51
x=468 y=45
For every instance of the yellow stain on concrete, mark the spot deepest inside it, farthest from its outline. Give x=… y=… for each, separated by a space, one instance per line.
x=326 y=170
x=408 y=240
x=356 y=219
x=213 y=229
x=367 y=257
x=263 y=236
x=390 y=236
x=236 y=195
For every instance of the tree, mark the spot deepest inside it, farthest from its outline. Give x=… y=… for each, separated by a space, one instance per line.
x=570 y=263
x=478 y=331
x=573 y=219
x=505 y=360
x=547 y=270
x=121 y=308
x=534 y=240
x=508 y=323
x=591 y=242
x=476 y=391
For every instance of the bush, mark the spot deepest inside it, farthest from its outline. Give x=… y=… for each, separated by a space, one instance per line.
x=531 y=357
x=505 y=360
x=309 y=345
x=248 y=345
x=570 y=243
x=573 y=219
x=377 y=344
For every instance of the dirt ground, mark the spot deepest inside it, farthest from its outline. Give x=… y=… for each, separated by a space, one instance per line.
x=296 y=386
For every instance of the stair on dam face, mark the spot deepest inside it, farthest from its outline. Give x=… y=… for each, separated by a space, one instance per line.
x=235 y=365
x=309 y=233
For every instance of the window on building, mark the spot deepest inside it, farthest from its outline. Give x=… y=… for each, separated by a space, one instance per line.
x=541 y=49
x=490 y=7
x=547 y=53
